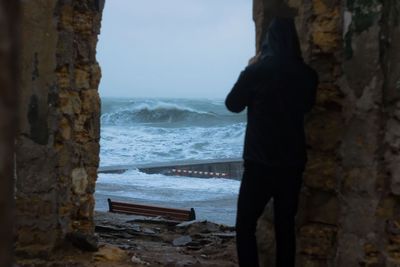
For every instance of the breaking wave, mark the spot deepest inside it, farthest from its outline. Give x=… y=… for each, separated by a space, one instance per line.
x=162 y=113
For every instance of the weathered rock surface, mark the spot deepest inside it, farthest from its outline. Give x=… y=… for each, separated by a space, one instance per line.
x=350 y=205
x=9 y=14
x=351 y=184
x=57 y=151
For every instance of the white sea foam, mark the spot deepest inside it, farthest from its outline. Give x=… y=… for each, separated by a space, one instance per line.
x=137 y=131
x=139 y=144
x=157 y=187
x=213 y=199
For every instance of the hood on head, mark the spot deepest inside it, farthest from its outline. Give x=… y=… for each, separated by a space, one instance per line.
x=281 y=40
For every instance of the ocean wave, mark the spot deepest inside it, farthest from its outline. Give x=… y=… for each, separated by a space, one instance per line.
x=141 y=144
x=164 y=113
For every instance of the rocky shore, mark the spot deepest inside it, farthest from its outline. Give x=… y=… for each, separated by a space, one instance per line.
x=126 y=240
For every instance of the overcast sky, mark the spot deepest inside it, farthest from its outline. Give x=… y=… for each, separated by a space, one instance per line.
x=174 y=48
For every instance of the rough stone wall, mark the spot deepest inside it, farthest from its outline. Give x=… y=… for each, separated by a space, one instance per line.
x=350 y=205
x=349 y=211
x=370 y=174
x=58 y=140
x=8 y=89
x=319 y=27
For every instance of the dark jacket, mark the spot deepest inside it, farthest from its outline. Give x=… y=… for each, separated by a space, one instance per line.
x=277 y=91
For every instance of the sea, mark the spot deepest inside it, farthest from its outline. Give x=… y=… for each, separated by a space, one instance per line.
x=160 y=130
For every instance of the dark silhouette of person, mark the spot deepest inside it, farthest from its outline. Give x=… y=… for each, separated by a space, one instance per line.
x=277 y=90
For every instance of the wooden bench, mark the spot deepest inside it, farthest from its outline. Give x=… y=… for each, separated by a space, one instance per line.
x=151 y=211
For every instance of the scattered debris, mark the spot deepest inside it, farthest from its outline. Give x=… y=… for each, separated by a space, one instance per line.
x=137 y=260
x=182 y=241
x=110 y=253
x=148 y=231
x=82 y=241
x=137 y=241
x=163 y=242
x=225 y=235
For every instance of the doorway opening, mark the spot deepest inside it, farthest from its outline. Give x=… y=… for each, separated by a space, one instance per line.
x=167 y=67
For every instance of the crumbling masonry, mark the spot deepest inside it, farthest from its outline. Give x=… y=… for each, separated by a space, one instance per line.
x=350 y=207
x=350 y=211
x=58 y=141
x=8 y=100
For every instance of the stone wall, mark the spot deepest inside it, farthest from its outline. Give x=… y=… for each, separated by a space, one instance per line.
x=350 y=204
x=349 y=211
x=58 y=140
x=8 y=89
x=370 y=196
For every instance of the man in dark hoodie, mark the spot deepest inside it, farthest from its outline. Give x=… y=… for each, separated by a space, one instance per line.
x=277 y=91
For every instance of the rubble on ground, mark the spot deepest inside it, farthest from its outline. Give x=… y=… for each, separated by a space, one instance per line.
x=128 y=240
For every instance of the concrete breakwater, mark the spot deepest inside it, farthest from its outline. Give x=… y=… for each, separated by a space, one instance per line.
x=218 y=168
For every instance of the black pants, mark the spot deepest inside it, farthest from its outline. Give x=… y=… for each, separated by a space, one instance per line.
x=259 y=185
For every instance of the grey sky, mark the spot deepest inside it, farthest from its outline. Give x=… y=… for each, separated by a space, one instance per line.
x=174 y=48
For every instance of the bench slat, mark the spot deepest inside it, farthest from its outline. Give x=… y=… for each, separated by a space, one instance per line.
x=121 y=204
x=144 y=210
x=152 y=212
